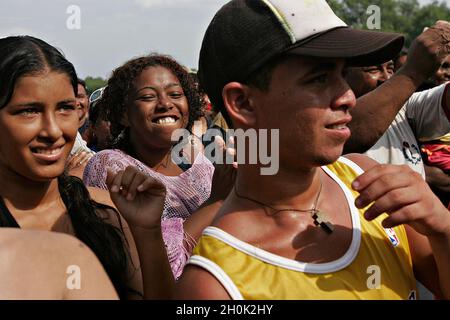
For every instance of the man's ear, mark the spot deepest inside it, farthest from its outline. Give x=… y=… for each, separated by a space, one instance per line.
x=237 y=100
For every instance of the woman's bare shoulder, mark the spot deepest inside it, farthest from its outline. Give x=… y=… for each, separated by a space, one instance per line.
x=23 y=245
x=16 y=239
x=38 y=265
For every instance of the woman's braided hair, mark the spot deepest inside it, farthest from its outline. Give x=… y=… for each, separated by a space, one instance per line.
x=115 y=98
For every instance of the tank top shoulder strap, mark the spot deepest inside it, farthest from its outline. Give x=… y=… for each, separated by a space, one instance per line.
x=346 y=170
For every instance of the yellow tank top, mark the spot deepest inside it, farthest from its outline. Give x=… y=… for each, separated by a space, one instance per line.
x=377 y=264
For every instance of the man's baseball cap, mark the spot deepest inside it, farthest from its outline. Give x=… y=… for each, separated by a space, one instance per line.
x=245 y=34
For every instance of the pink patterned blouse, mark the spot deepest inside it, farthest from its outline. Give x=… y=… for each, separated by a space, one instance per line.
x=185 y=193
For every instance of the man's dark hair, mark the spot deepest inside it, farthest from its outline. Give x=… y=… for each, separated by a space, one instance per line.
x=259 y=79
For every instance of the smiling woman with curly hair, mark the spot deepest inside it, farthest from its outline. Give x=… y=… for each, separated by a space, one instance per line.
x=119 y=92
x=146 y=100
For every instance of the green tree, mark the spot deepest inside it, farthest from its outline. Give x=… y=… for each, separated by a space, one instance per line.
x=428 y=15
x=403 y=16
x=94 y=83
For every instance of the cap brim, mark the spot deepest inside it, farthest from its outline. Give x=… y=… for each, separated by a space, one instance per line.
x=359 y=47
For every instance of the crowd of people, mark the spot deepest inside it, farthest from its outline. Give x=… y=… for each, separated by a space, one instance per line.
x=363 y=178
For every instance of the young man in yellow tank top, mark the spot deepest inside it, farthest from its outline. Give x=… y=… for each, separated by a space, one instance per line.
x=319 y=228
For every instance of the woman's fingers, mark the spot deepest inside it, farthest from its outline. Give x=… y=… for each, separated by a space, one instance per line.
x=127 y=179
x=114 y=180
x=138 y=179
x=129 y=182
x=79 y=159
x=151 y=184
x=74 y=160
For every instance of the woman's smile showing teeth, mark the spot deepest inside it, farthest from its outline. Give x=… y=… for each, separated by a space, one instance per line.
x=166 y=120
x=50 y=154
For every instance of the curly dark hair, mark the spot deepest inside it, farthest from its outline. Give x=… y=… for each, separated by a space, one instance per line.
x=113 y=103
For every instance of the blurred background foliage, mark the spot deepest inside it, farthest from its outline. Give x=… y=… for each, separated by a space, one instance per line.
x=403 y=16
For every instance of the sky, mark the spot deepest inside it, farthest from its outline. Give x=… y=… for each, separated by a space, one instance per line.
x=100 y=35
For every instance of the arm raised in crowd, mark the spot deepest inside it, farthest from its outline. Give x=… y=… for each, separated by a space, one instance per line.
x=375 y=110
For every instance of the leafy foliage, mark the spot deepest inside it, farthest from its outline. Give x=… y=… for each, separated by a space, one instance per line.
x=403 y=16
x=93 y=84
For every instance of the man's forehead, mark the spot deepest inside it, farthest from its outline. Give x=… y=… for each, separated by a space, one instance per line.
x=385 y=64
x=317 y=63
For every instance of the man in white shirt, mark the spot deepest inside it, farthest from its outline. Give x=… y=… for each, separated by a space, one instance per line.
x=423 y=117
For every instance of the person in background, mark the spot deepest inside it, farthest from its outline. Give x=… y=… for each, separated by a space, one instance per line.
x=401 y=58
x=436 y=153
x=423 y=116
x=98 y=133
x=83 y=106
x=145 y=101
x=80 y=153
x=442 y=75
x=420 y=125
x=365 y=79
x=99 y=128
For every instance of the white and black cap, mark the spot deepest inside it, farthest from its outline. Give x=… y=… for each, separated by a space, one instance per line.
x=245 y=34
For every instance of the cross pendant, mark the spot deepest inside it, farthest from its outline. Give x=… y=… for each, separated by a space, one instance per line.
x=319 y=220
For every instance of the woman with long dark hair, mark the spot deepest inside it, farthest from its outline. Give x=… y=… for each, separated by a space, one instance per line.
x=38 y=125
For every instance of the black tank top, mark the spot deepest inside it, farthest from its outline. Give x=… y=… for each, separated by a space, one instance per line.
x=6 y=218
